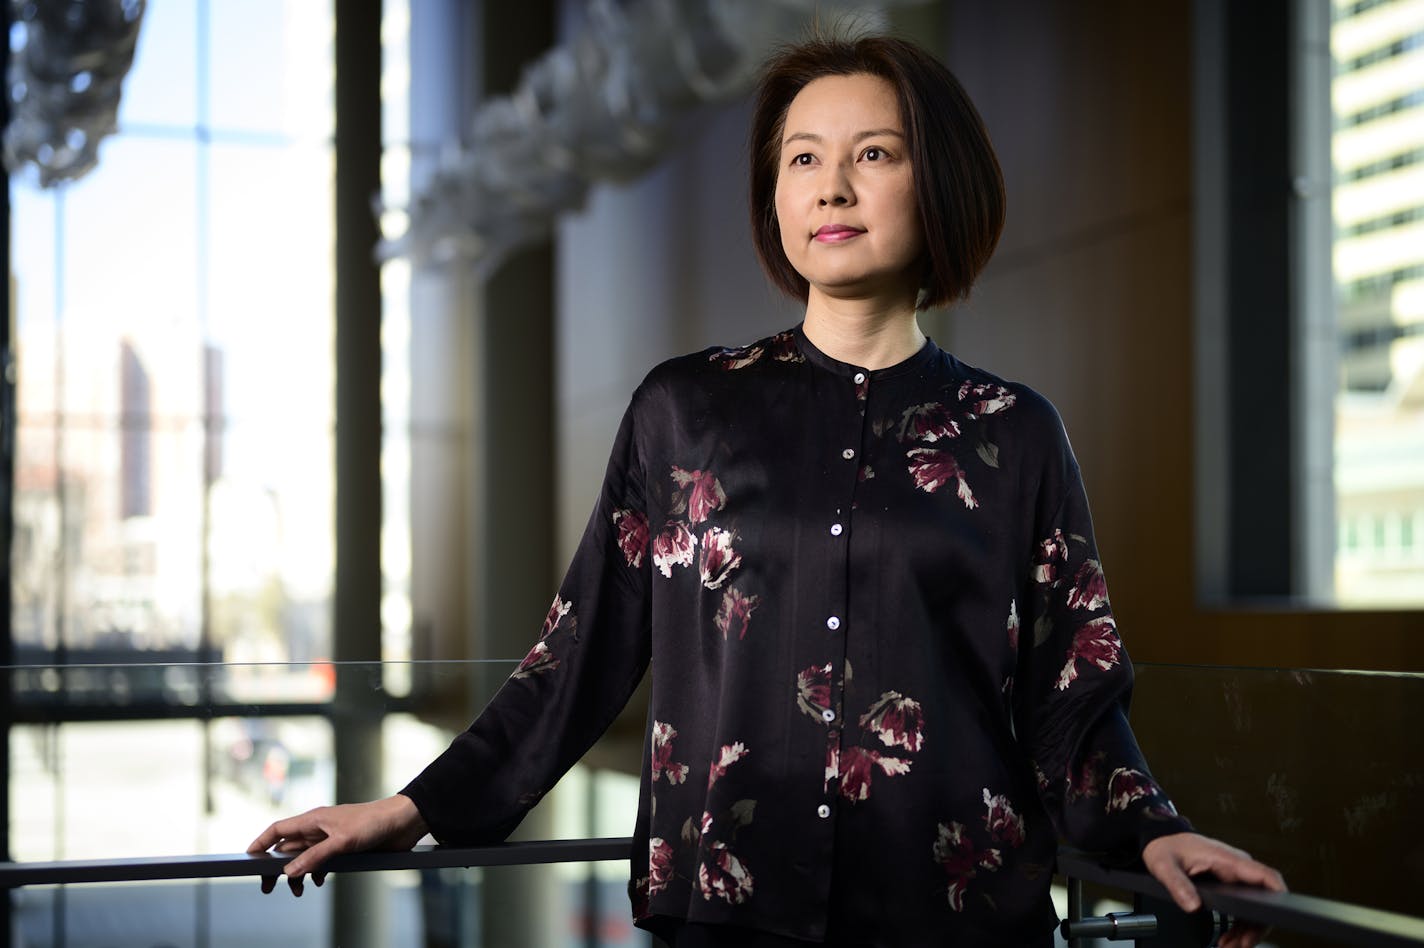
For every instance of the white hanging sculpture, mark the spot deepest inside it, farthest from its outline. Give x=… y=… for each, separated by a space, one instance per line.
x=602 y=108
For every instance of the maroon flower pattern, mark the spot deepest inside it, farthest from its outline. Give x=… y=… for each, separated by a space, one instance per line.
x=783 y=348
x=1003 y=823
x=659 y=865
x=932 y=469
x=813 y=690
x=985 y=398
x=1090 y=590
x=856 y=765
x=722 y=874
x=539 y=660
x=1088 y=783
x=955 y=851
x=701 y=509
x=929 y=422
x=700 y=494
x=718 y=559
x=663 y=765
x=737 y=357
x=638 y=895
x=729 y=755
x=1050 y=558
x=1096 y=643
x=558 y=610
x=1128 y=785
x=898 y=721
x=735 y=612
x=675 y=546
x=632 y=535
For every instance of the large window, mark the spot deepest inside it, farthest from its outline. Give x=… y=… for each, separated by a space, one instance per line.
x=173 y=491
x=1309 y=180
x=173 y=496
x=1377 y=97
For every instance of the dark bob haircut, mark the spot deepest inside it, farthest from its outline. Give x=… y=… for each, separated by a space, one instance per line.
x=958 y=185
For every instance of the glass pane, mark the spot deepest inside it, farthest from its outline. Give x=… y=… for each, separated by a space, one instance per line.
x=1311 y=771
x=162 y=86
x=290 y=95
x=406 y=909
x=169 y=493
x=269 y=297
x=1378 y=148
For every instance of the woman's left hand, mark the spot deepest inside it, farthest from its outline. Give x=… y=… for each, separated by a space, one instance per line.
x=1174 y=859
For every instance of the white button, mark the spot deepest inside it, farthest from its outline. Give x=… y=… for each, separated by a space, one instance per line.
x=833 y=623
x=836 y=529
x=828 y=715
x=859 y=377
x=848 y=453
x=823 y=811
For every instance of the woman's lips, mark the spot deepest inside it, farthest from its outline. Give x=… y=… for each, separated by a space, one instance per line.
x=836 y=233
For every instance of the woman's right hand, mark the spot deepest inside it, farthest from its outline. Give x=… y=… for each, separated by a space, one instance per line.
x=316 y=835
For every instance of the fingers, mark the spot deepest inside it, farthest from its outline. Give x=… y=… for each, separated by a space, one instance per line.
x=310 y=859
x=1179 y=886
x=265 y=840
x=1250 y=872
x=292 y=827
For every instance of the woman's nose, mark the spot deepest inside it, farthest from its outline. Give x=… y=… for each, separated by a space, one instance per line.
x=835 y=189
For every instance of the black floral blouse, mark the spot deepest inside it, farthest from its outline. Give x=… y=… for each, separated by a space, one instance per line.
x=886 y=678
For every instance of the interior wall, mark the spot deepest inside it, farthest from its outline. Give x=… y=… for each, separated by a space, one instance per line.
x=648 y=270
x=1088 y=298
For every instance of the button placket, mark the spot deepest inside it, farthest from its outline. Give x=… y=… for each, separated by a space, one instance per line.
x=853 y=427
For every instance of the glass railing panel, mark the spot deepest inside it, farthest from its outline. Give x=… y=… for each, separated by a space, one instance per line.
x=187 y=758
x=1320 y=773
x=453 y=908
x=47 y=683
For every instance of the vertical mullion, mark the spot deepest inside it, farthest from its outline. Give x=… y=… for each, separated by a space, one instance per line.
x=8 y=417
x=358 y=902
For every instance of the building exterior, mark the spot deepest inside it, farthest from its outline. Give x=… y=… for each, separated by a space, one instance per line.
x=1378 y=147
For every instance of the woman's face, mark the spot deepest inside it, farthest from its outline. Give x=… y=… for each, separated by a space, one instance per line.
x=845 y=191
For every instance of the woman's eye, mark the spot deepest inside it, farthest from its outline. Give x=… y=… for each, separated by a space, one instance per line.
x=801 y=159
x=873 y=154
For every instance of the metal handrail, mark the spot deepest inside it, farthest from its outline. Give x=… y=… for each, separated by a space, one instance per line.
x=152 y=868
x=1340 y=921
x=1290 y=911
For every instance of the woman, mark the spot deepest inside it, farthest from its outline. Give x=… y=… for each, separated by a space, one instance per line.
x=886 y=675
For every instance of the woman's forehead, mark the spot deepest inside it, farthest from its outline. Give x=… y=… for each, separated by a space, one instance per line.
x=840 y=106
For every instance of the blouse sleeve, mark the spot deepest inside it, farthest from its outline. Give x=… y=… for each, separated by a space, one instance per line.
x=591 y=653
x=1074 y=683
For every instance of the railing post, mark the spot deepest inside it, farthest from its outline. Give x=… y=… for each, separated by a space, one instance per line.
x=1075 y=907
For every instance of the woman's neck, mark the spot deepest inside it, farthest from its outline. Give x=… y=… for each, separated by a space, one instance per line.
x=862 y=332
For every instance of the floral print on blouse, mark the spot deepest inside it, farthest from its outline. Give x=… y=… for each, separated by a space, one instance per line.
x=886 y=678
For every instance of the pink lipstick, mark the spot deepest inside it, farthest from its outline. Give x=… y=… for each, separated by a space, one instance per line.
x=836 y=233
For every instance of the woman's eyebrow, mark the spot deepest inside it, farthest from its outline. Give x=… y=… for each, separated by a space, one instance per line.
x=817 y=139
